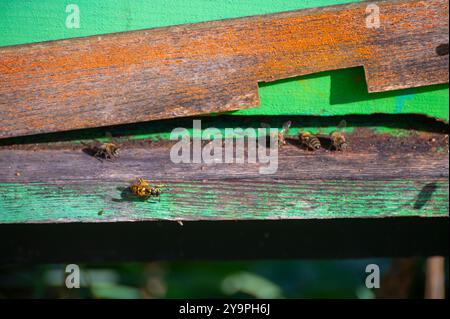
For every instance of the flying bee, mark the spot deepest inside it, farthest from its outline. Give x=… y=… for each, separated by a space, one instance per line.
x=309 y=140
x=338 y=141
x=281 y=135
x=104 y=151
x=142 y=189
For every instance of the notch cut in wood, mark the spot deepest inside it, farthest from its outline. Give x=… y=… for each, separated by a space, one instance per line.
x=214 y=66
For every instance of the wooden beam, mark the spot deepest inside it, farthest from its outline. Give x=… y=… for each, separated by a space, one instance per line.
x=379 y=176
x=214 y=66
x=435 y=278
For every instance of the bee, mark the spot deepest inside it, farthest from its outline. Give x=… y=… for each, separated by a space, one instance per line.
x=338 y=141
x=104 y=151
x=281 y=135
x=309 y=140
x=142 y=189
x=107 y=151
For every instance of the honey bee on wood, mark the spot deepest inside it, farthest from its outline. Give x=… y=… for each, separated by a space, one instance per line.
x=144 y=190
x=309 y=140
x=104 y=151
x=107 y=151
x=281 y=135
x=338 y=141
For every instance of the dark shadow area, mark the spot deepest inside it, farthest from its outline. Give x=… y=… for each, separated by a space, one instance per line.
x=224 y=240
x=442 y=49
x=400 y=121
x=292 y=141
x=425 y=195
x=325 y=143
x=91 y=151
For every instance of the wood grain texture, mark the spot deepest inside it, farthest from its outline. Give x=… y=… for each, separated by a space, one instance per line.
x=213 y=66
x=385 y=178
x=337 y=92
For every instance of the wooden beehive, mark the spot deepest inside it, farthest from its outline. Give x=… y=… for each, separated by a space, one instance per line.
x=367 y=201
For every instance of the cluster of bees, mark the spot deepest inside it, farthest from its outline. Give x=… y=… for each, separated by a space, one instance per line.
x=311 y=141
x=144 y=189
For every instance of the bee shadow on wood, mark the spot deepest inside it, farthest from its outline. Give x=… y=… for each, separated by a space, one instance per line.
x=292 y=141
x=89 y=150
x=127 y=196
x=325 y=143
x=425 y=195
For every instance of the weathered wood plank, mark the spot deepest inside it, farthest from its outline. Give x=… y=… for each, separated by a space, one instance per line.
x=337 y=92
x=379 y=176
x=213 y=66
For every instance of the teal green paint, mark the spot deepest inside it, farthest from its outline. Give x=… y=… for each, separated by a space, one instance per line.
x=330 y=93
x=194 y=200
x=400 y=100
x=345 y=92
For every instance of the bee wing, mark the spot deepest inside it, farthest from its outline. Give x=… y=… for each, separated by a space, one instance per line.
x=97 y=143
x=109 y=136
x=342 y=125
x=285 y=128
x=86 y=144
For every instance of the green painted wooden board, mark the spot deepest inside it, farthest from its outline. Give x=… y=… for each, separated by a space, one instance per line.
x=330 y=93
x=193 y=201
x=377 y=177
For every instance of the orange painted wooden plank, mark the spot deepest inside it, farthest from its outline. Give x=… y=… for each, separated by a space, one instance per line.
x=214 y=66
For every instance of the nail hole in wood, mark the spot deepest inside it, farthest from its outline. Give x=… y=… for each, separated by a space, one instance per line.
x=442 y=49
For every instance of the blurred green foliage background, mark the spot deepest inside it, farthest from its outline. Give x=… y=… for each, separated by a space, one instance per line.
x=205 y=279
